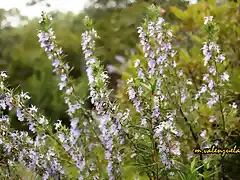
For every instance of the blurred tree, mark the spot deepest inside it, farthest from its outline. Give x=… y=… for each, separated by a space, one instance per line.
x=34 y=2
x=125 y=3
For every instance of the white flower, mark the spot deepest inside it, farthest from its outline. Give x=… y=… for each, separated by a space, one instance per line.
x=32 y=109
x=129 y=80
x=61 y=137
x=3 y=74
x=208 y=19
x=42 y=119
x=234 y=105
x=205 y=77
x=62 y=85
x=89 y=71
x=189 y=82
x=225 y=76
x=137 y=63
x=169 y=32
x=24 y=95
x=58 y=124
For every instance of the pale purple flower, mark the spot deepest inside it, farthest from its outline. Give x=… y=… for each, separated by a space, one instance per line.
x=207 y=58
x=62 y=85
x=74 y=123
x=151 y=64
x=56 y=63
x=73 y=107
x=63 y=77
x=212 y=101
x=220 y=58
x=137 y=104
x=203 y=133
x=20 y=115
x=151 y=28
x=156 y=112
x=161 y=59
x=212 y=46
x=144 y=122
x=170 y=34
x=183 y=98
x=140 y=91
x=203 y=88
x=205 y=48
x=32 y=126
x=205 y=77
x=180 y=73
x=121 y=59
x=131 y=93
x=140 y=74
x=212 y=70
x=212 y=118
x=69 y=90
x=210 y=84
x=166 y=47
x=160 y=21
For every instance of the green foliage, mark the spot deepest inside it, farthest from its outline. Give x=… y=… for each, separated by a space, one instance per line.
x=189 y=30
x=28 y=66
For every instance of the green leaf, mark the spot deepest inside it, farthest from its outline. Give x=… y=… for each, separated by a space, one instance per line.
x=178 y=12
x=196 y=38
x=193 y=163
x=154 y=87
x=146 y=86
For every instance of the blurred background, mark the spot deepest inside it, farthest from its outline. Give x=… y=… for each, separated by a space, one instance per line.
x=116 y=22
x=26 y=63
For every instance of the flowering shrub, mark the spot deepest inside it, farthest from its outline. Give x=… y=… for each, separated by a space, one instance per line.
x=155 y=135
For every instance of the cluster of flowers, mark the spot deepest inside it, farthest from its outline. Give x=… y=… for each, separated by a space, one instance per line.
x=155 y=39
x=111 y=117
x=161 y=93
x=164 y=95
x=19 y=146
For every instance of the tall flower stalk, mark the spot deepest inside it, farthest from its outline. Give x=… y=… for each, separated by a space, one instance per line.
x=111 y=117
